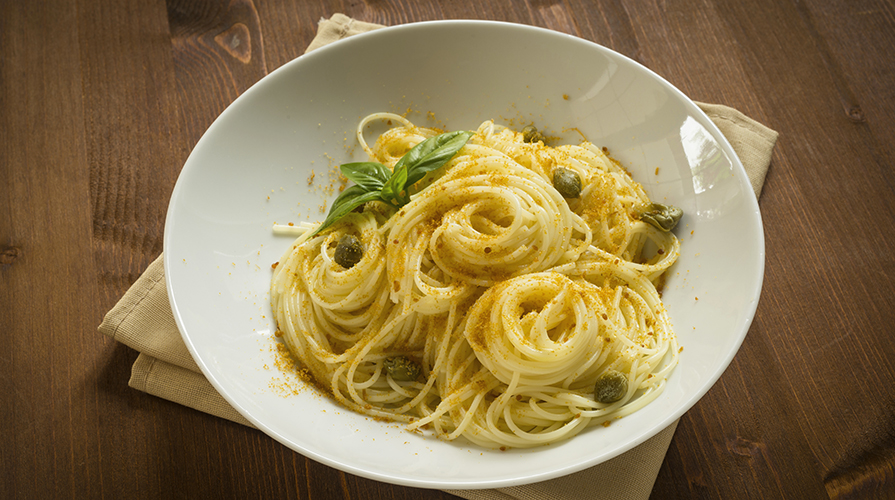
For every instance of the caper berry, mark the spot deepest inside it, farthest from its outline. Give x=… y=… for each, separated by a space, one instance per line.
x=662 y=217
x=611 y=386
x=402 y=369
x=531 y=134
x=349 y=251
x=567 y=182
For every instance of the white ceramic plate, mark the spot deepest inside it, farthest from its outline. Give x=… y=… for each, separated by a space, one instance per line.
x=251 y=169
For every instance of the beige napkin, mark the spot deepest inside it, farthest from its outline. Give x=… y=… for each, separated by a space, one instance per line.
x=142 y=319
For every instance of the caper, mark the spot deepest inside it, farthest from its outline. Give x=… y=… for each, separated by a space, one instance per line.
x=402 y=369
x=611 y=386
x=530 y=134
x=349 y=251
x=662 y=217
x=567 y=182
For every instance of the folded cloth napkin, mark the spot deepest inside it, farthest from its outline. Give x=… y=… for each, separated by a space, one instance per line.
x=142 y=320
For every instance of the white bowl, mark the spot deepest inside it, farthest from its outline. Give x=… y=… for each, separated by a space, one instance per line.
x=251 y=169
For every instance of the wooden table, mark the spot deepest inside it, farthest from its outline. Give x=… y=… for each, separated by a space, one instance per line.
x=102 y=101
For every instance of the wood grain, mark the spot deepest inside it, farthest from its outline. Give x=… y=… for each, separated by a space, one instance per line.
x=102 y=101
x=43 y=238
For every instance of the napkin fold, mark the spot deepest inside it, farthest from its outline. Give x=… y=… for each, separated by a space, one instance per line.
x=143 y=320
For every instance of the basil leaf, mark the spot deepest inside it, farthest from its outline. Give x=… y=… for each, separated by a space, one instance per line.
x=391 y=191
x=368 y=175
x=432 y=154
x=350 y=199
x=374 y=181
x=425 y=157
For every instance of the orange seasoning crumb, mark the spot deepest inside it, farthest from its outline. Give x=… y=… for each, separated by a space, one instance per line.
x=657 y=170
x=565 y=97
x=287 y=365
x=311 y=178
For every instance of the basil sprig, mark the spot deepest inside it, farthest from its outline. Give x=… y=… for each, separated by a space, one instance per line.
x=374 y=181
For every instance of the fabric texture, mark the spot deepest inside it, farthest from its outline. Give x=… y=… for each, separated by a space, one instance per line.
x=143 y=320
x=752 y=141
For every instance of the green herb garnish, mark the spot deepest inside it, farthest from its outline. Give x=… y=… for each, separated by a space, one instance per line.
x=374 y=181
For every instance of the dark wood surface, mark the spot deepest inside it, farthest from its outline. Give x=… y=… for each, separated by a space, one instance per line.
x=101 y=101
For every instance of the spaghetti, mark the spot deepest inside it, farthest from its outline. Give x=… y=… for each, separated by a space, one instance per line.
x=504 y=304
